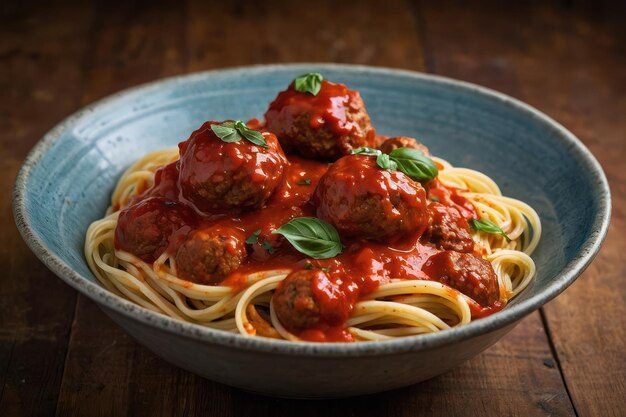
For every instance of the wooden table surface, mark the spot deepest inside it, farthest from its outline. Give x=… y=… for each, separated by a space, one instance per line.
x=60 y=355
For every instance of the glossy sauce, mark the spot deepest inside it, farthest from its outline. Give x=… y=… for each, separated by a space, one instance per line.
x=358 y=271
x=451 y=196
x=219 y=176
x=327 y=108
x=349 y=187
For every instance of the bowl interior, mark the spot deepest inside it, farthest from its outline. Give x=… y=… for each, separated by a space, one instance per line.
x=70 y=181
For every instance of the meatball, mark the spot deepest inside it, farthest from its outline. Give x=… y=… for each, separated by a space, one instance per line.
x=324 y=126
x=145 y=228
x=217 y=176
x=294 y=303
x=165 y=182
x=362 y=200
x=448 y=229
x=392 y=144
x=207 y=256
x=308 y=298
x=467 y=273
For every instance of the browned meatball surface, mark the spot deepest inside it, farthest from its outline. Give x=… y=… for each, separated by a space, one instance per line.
x=392 y=144
x=144 y=229
x=448 y=229
x=326 y=126
x=467 y=273
x=209 y=255
x=294 y=303
x=218 y=176
x=362 y=200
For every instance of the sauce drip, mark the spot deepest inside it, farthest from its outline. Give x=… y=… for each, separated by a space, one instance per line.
x=327 y=108
x=451 y=196
x=358 y=271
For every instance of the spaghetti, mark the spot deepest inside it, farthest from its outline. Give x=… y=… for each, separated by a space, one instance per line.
x=397 y=308
x=352 y=237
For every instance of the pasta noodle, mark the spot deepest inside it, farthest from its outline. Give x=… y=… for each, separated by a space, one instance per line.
x=396 y=308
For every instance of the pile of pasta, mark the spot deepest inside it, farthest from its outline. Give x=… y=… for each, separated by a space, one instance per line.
x=397 y=308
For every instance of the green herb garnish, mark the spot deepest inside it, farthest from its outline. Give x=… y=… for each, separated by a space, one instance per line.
x=410 y=161
x=486 y=226
x=385 y=162
x=312 y=236
x=235 y=130
x=414 y=164
x=268 y=247
x=309 y=83
x=306 y=181
x=253 y=238
x=365 y=151
x=309 y=267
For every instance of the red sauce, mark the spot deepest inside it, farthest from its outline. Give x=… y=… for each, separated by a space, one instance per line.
x=326 y=108
x=361 y=173
x=358 y=271
x=166 y=182
x=451 y=196
x=479 y=311
x=218 y=176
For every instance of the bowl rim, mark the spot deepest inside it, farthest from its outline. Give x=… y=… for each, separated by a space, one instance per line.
x=134 y=312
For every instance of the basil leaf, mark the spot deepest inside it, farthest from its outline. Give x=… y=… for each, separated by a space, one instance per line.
x=306 y=181
x=309 y=267
x=365 y=151
x=233 y=131
x=226 y=132
x=486 y=226
x=252 y=135
x=253 y=238
x=268 y=247
x=414 y=164
x=312 y=236
x=385 y=162
x=309 y=83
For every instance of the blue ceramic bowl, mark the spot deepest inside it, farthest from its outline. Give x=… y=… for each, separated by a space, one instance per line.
x=67 y=179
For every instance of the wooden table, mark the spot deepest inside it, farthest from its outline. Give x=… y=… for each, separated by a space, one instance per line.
x=60 y=355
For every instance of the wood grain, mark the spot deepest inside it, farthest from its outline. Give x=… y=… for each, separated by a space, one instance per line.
x=130 y=44
x=40 y=79
x=568 y=62
x=566 y=59
x=244 y=27
x=381 y=33
x=588 y=322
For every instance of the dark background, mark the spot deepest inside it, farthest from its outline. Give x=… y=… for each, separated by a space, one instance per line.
x=60 y=355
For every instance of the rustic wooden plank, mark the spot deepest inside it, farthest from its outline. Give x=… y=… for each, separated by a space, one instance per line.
x=243 y=33
x=569 y=62
x=157 y=388
x=40 y=83
x=131 y=44
x=588 y=322
x=394 y=38
x=514 y=369
x=478 y=388
x=127 y=380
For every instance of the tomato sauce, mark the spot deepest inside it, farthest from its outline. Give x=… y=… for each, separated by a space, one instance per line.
x=327 y=108
x=451 y=196
x=358 y=271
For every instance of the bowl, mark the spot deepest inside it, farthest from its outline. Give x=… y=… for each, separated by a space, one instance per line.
x=66 y=181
